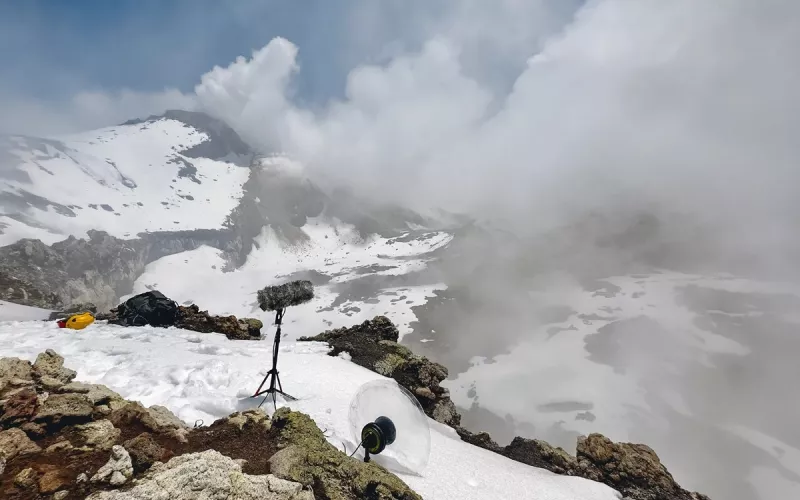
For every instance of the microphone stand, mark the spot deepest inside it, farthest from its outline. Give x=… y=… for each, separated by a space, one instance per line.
x=272 y=374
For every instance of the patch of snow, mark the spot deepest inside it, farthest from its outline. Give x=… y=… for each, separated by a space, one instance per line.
x=124 y=180
x=16 y=312
x=12 y=230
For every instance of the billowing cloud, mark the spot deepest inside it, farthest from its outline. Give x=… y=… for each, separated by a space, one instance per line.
x=673 y=102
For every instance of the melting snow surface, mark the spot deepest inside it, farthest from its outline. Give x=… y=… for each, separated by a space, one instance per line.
x=206 y=376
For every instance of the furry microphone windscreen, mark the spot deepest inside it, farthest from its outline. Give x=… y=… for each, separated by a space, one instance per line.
x=294 y=293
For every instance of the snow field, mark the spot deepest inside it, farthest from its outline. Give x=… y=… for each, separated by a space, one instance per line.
x=133 y=170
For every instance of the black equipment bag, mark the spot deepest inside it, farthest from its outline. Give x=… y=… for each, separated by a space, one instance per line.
x=149 y=308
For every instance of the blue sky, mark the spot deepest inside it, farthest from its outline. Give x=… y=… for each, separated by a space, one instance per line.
x=51 y=49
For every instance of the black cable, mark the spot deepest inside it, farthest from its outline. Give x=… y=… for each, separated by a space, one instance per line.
x=357 y=447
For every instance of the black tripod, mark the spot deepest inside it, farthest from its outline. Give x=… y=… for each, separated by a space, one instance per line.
x=274 y=371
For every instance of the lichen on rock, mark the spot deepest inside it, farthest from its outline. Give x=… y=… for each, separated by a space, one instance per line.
x=100 y=434
x=117 y=470
x=208 y=474
x=305 y=456
x=15 y=373
x=373 y=345
x=50 y=372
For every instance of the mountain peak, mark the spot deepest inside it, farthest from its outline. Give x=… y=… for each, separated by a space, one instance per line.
x=222 y=141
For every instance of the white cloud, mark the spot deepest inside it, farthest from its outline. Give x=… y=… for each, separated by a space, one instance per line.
x=674 y=101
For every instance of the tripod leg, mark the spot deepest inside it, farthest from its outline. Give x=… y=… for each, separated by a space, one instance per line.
x=273 y=373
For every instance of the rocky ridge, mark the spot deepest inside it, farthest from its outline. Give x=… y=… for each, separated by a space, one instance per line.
x=632 y=469
x=97 y=270
x=373 y=345
x=63 y=439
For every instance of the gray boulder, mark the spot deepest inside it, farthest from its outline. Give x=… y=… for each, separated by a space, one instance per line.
x=206 y=476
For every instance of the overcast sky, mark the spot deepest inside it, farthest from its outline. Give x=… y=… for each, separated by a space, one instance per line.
x=511 y=106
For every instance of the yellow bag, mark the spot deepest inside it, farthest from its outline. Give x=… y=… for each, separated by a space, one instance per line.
x=79 y=321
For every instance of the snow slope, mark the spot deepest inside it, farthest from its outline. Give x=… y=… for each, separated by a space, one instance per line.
x=16 y=312
x=124 y=180
x=206 y=376
x=332 y=249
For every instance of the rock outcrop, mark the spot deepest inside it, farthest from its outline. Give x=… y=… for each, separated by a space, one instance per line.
x=73 y=309
x=632 y=469
x=192 y=318
x=305 y=456
x=14 y=287
x=64 y=439
x=71 y=273
x=210 y=472
x=373 y=345
x=75 y=270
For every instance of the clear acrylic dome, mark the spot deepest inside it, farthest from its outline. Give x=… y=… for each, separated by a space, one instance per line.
x=386 y=398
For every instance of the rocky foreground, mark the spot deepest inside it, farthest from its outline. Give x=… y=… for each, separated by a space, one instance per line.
x=632 y=469
x=62 y=439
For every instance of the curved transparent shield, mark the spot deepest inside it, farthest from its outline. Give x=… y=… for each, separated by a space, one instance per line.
x=386 y=398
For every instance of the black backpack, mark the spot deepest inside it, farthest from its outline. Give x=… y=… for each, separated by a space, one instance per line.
x=149 y=308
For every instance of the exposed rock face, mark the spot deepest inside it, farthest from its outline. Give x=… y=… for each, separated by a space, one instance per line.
x=373 y=345
x=144 y=451
x=97 y=394
x=19 y=407
x=14 y=442
x=192 y=318
x=85 y=274
x=61 y=409
x=209 y=472
x=16 y=289
x=49 y=370
x=131 y=414
x=100 y=434
x=73 y=309
x=117 y=470
x=632 y=469
x=75 y=270
x=15 y=374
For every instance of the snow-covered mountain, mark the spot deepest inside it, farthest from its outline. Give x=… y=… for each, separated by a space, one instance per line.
x=599 y=327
